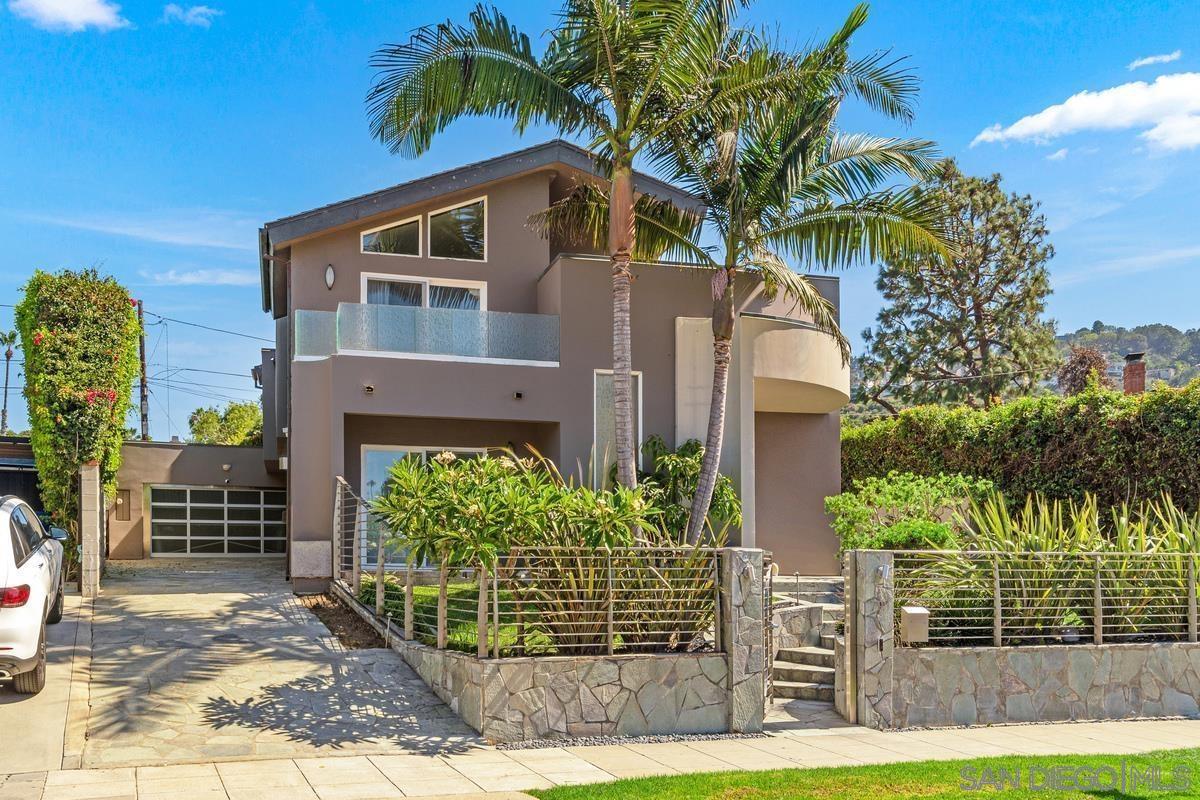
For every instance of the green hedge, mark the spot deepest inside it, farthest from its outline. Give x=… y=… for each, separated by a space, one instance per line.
x=1100 y=441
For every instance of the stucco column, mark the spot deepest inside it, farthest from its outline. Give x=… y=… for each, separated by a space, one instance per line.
x=91 y=511
x=741 y=405
x=742 y=635
x=874 y=637
x=314 y=459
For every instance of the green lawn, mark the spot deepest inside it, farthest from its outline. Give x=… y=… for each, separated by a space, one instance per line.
x=927 y=779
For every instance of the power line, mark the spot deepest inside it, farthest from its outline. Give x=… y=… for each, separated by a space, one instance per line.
x=213 y=372
x=210 y=328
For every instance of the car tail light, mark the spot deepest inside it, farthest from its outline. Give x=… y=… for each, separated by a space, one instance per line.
x=14 y=597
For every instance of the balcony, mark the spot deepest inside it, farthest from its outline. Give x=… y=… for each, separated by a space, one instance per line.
x=434 y=334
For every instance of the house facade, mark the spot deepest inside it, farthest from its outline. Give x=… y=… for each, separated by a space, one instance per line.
x=430 y=316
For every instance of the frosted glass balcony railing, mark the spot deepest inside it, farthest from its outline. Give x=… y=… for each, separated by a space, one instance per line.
x=430 y=332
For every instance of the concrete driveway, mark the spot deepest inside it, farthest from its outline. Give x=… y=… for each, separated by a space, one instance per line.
x=34 y=727
x=198 y=660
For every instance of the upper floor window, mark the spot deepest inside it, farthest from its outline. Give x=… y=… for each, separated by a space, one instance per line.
x=397 y=239
x=459 y=231
x=418 y=292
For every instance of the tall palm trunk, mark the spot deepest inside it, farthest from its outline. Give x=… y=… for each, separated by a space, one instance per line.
x=8 y=354
x=620 y=247
x=722 y=325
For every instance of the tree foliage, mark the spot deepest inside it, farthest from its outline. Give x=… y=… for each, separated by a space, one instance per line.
x=79 y=335
x=1084 y=366
x=1118 y=447
x=238 y=424
x=969 y=330
x=1172 y=355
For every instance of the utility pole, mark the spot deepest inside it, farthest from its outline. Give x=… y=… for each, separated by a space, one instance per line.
x=145 y=395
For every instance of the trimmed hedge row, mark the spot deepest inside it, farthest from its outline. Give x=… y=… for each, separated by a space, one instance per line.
x=1115 y=446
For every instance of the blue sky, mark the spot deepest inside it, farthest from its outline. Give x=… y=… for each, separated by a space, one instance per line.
x=152 y=139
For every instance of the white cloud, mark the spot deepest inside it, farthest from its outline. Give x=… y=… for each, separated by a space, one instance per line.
x=70 y=15
x=1058 y=155
x=186 y=227
x=1168 y=110
x=200 y=16
x=1141 y=262
x=203 y=277
x=1165 y=58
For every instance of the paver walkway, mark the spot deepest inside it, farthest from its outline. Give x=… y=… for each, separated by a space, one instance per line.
x=201 y=660
x=482 y=769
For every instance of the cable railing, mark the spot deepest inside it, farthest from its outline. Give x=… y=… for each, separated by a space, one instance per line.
x=561 y=601
x=1022 y=598
x=349 y=525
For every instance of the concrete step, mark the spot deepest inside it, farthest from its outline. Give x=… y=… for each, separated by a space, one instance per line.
x=799 y=690
x=803 y=673
x=818 y=656
x=827 y=641
x=809 y=589
x=829 y=627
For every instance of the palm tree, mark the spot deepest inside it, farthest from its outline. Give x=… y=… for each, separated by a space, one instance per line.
x=7 y=340
x=780 y=180
x=618 y=73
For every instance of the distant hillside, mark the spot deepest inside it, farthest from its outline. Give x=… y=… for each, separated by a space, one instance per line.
x=1172 y=355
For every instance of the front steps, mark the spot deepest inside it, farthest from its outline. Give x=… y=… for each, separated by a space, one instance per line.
x=806 y=673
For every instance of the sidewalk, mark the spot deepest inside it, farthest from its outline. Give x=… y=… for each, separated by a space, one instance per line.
x=485 y=770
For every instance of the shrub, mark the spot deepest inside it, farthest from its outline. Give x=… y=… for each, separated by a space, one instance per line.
x=671 y=482
x=545 y=539
x=79 y=334
x=902 y=511
x=1115 y=446
x=1050 y=556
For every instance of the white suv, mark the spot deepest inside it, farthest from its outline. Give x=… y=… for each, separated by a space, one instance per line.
x=31 y=593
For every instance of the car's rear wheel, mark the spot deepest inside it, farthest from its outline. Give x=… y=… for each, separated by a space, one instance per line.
x=33 y=681
x=56 y=611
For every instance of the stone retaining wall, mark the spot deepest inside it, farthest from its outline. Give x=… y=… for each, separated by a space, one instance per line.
x=901 y=687
x=940 y=686
x=796 y=626
x=559 y=697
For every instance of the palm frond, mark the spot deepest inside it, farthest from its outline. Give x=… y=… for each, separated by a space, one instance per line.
x=832 y=236
x=882 y=84
x=856 y=164
x=484 y=68
x=663 y=230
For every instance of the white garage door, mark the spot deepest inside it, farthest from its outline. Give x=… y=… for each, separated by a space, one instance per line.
x=216 y=521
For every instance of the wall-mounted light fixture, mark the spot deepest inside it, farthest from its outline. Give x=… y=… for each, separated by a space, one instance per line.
x=226 y=467
x=330 y=276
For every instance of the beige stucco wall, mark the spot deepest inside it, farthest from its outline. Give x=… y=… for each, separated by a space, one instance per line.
x=146 y=463
x=331 y=414
x=797 y=467
x=516 y=255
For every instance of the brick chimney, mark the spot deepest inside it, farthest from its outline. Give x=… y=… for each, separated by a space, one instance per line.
x=1135 y=373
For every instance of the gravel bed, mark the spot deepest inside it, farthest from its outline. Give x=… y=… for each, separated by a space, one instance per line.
x=595 y=741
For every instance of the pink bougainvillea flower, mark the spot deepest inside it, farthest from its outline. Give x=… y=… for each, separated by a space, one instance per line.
x=112 y=395
x=37 y=338
x=133 y=302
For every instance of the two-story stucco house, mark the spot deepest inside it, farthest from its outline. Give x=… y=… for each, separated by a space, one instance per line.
x=429 y=316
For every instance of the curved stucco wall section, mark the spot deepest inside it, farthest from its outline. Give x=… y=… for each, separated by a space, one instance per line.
x=797 y=370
